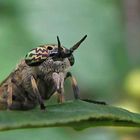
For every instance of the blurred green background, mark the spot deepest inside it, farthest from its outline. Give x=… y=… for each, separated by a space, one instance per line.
x=107 y=64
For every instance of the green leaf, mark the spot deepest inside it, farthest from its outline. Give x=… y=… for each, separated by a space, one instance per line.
x=77 y=114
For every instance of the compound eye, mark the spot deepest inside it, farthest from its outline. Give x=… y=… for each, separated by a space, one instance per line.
x=36 y=56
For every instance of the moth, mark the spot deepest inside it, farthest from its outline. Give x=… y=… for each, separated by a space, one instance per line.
x=37 y=77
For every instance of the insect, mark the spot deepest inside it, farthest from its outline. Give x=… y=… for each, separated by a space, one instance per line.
x=37 y=77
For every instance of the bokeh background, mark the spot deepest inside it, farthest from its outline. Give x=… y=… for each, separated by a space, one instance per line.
x=107 y=64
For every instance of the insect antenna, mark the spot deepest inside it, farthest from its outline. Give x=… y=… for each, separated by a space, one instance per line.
x=63 y=54
x=60 y=49
x=77 y=44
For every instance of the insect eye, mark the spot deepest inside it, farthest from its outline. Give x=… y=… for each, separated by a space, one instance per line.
x=49 y=48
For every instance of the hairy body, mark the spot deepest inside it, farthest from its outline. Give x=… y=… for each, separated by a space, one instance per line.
x=49 y=76
x=38 y=77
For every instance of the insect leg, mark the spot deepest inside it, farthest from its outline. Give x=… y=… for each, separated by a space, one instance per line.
x=3 y=101
x=36 y=91
x=10 y=94
x=59 y=83
x=61 y=97
x=76 y=91
x=17 y=100
x=12 y=105
x=94 y=102
x=74 y=85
